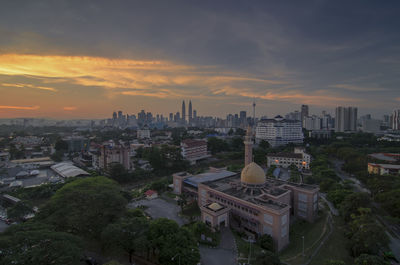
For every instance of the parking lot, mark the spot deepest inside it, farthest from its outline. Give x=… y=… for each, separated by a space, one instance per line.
x=158 y=208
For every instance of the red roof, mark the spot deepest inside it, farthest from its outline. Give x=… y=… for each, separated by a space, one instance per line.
x=150 y=192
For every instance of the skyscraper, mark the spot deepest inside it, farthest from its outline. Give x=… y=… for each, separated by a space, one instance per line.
x=304 y=113
x=183 y=112
x=396 y=119
x=346 y=119
x=190 y=112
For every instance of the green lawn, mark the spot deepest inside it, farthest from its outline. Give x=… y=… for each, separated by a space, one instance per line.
x=335 y=247
x=313 y=234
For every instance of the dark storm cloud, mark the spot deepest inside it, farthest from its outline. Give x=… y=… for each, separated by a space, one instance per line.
x=343 y=48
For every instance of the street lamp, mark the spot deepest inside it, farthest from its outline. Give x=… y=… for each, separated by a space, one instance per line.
x=179 y=258
x=303 y=244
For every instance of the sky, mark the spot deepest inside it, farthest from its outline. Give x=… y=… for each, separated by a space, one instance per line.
x=86 y=59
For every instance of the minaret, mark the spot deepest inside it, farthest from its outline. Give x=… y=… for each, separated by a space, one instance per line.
x=190 y=112
x=248 y=147
x=254 y=112
x=183 y=113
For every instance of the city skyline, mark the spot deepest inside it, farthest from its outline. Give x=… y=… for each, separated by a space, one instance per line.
x=84 y=60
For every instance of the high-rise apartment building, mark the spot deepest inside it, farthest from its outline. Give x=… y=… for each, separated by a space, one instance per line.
x=304 y=113
x=396 y=120
x=346 y=119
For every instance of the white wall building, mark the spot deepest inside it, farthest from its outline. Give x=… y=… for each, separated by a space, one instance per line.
x=279 y=131
x=299 y=158
x=143 y=134
x=194 y=150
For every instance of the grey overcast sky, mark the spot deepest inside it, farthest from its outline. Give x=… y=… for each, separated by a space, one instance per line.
x=70 y=59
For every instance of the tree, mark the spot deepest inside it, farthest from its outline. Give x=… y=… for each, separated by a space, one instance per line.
x=268 y=258
x=334 y=262
x=169 y=240
x=19 y=211
x=85 y=206
x=352 y=203
x=118 y=173
x=39 y=246
x=264 y=145
x=266 y=242
x=216 y=145
x=129 y=234
x=61 y=145
x=365 y=259
x=366 y=235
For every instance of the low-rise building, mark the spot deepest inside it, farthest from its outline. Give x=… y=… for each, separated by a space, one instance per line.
x=143 y=134
x=194 y=150
x=299 y=158
x=383 y=169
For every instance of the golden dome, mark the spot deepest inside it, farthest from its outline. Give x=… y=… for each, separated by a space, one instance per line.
x=253 y=174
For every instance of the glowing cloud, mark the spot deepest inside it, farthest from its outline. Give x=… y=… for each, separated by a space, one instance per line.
x=70 y=108
x=19 y=107
x=29 y=86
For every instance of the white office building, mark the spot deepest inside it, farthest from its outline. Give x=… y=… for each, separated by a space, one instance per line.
x=279 y=131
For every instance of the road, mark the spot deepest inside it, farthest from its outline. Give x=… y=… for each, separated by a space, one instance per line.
x=225 y=253
x=345 y=176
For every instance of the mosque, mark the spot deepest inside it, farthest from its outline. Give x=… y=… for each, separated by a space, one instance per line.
x=249 y=201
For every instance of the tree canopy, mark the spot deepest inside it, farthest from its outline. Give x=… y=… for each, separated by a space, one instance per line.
x=85 y=206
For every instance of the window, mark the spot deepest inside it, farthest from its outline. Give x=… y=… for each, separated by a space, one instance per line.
x=302 y=197
x=284 y=219
x=269 y=219
x=302 y=206
x=267 y=230
x=315 y=197
x=284 y=231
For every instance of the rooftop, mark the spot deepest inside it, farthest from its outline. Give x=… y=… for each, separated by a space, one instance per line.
x=286 y=155
x=388 y=166
x=67 y=170
x=256 y=195
x=205 y=177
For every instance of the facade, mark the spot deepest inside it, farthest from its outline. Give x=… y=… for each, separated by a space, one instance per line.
x=114 y=153
x=346 y=119
x=304 y=113
x=194 y=150
x=371 y=125
x=190 y=113
x=299 y=158
x=279 y=131
x=143 y=134
x=77 y=143
x=396 y=120
x=183 y=113
x=383 y=169
x=249 y=201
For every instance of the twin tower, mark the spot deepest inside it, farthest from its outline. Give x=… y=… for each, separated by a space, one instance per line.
x=190 y=114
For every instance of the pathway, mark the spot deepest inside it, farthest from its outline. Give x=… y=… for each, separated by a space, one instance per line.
x=225 y=253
